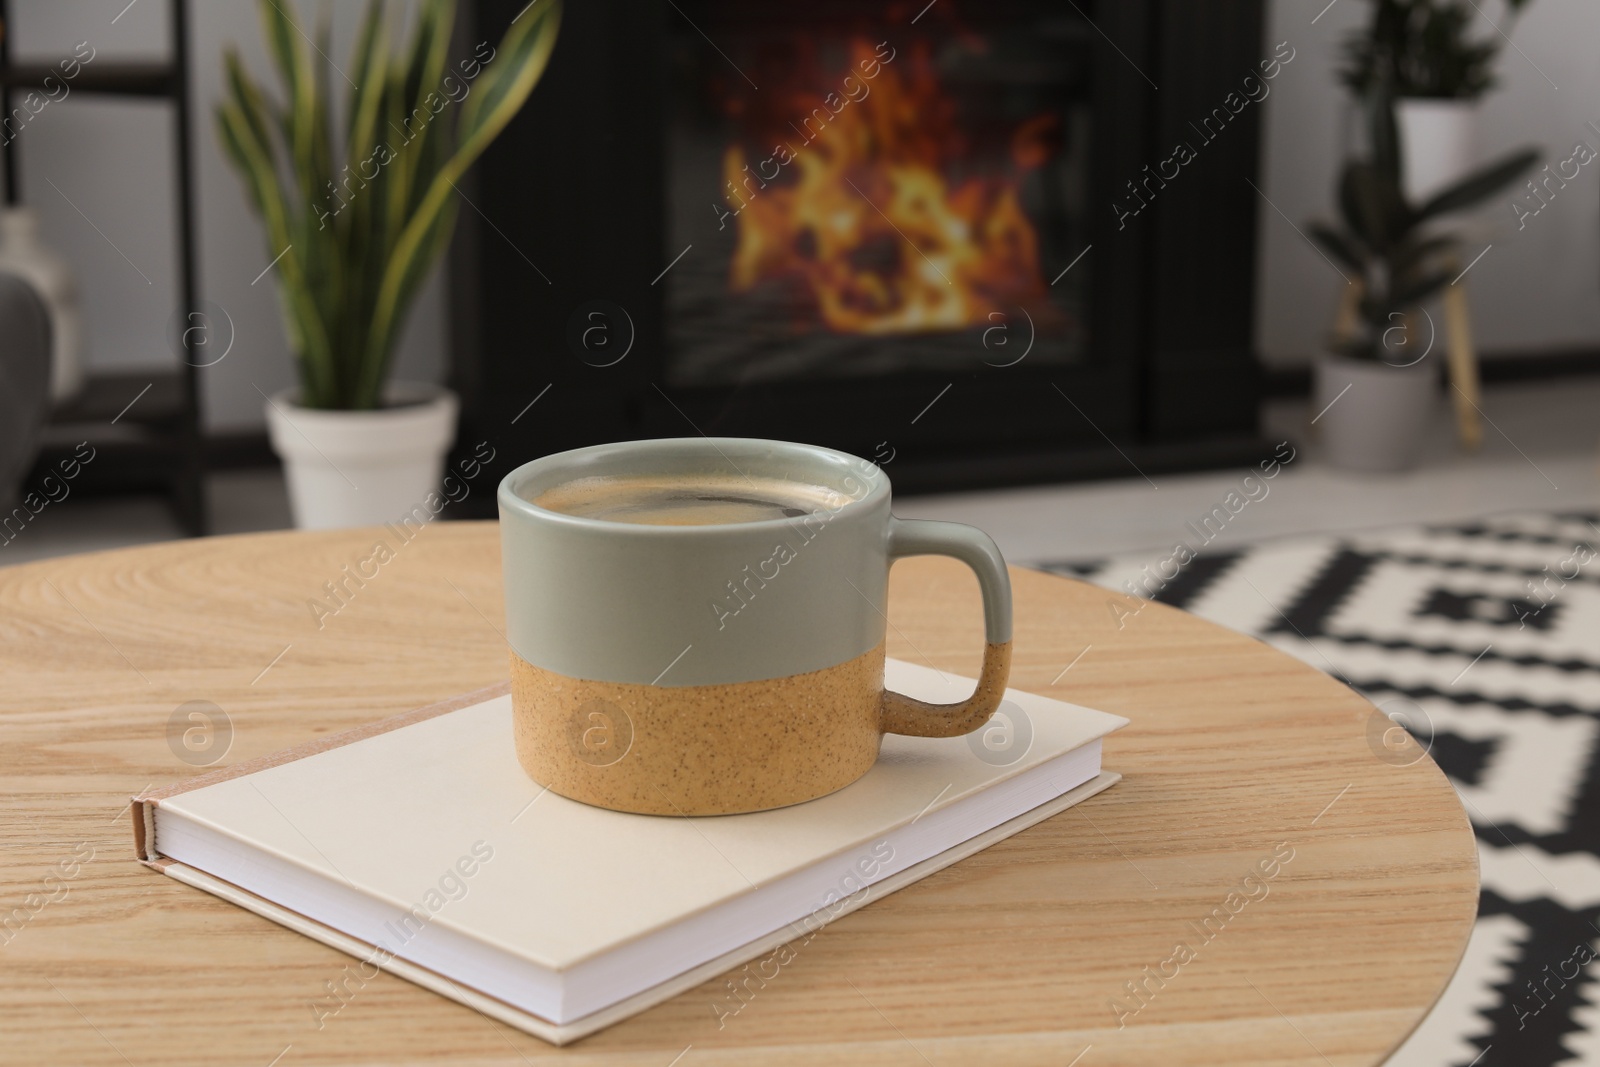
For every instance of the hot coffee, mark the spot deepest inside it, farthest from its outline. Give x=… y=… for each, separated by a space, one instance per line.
x=686 y=640
x=687 y=499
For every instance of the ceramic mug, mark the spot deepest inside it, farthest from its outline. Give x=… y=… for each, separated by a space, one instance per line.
x=700 y=670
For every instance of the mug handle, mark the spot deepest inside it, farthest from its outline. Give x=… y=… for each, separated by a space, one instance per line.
x=920 y=537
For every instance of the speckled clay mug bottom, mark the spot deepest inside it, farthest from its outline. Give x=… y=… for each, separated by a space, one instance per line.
x=775 y=693
x=666 y=751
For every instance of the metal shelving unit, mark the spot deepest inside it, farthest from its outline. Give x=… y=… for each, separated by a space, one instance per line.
x=144 y=425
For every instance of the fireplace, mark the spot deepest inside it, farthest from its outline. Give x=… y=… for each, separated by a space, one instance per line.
x=882 y=202
x=890 y=228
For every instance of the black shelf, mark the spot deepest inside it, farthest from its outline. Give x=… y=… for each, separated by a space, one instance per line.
x=143 y=425
x=149 y=398
x=119 y=79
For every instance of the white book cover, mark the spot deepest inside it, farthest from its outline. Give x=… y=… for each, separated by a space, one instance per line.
x=420 y=844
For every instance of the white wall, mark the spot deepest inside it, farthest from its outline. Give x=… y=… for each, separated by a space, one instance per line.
x=1538 y=288
x=112 y=159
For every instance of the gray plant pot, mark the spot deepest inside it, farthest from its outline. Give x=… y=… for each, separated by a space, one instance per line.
x=1372 y=416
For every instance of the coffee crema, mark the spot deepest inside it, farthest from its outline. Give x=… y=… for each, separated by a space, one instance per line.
x=687 y=499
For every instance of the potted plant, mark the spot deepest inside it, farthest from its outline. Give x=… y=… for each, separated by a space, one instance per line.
x=1374 y=391
x=356 y=213
x=1438 y=71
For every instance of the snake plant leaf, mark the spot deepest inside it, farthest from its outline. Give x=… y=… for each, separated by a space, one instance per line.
x=1479 y=185
x=422 y=90
x=243 y=122
x=355 y=224
x=286 y=43
x=368 y=390
x=322 y=154
x=499 y=94
x=247 y=96
x=367 y=73
x=397 y=176
x=505 y=85
x=255 y=161
x=368 y=154
x=323 y=266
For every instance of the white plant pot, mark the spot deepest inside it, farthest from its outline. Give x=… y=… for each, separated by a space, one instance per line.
x=1371 y=416
x=1437 y=143
x=22 y=253
x=363 y=468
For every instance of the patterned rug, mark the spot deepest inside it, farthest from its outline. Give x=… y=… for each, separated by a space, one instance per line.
x=1483 y=640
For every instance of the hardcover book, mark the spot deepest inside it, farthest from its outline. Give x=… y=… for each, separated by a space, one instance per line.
x=419 y=845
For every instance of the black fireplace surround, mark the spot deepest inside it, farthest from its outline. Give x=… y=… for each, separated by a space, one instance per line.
x=954 y=238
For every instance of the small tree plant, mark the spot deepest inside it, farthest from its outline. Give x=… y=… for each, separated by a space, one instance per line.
x=1398 y=255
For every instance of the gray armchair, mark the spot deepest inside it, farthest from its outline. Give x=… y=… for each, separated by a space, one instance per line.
x=24 y=381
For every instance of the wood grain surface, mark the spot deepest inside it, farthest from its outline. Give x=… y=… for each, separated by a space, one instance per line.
x=1020 y=955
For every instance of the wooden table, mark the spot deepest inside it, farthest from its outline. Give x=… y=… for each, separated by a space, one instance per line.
x=1015 y=956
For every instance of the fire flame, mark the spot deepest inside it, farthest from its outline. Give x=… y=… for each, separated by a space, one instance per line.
x=864 y=217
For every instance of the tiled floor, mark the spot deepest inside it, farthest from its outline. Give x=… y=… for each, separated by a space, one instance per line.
x=1541 y=451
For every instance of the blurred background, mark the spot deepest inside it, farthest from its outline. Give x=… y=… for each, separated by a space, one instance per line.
x=1285 y=312
x=1109 y=271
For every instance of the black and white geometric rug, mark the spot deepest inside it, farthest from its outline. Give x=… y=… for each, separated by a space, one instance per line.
x=1483 y=639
